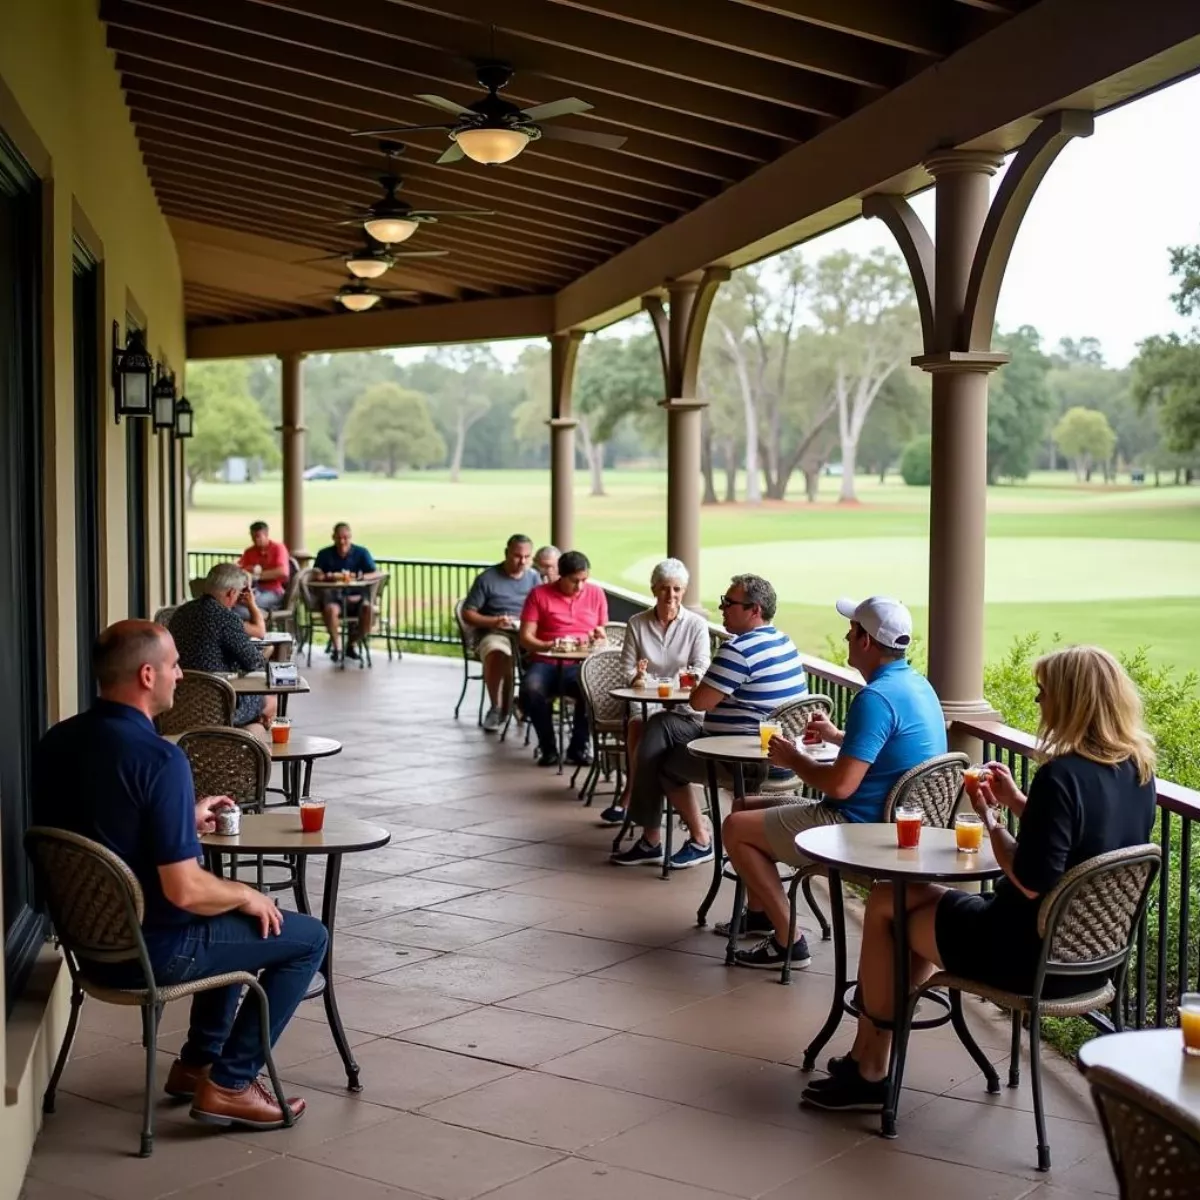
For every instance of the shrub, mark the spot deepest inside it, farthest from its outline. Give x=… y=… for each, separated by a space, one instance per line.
x=915 y=463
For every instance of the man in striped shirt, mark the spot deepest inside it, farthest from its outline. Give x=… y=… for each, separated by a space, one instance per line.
x=751 y=675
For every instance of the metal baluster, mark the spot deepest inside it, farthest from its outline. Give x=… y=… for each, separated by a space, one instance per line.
x=1185 y=896
x=1160 y=999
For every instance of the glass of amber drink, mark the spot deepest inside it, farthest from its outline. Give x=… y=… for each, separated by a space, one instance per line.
x=766 y=731
x=972 y=778
x=281 y=730
x=1189 y=1021
x=312 y=815
x=968 y=833
x=908 y=827
x=665 y=687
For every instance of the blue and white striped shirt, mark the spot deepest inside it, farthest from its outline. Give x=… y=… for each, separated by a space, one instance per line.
x=758 y=671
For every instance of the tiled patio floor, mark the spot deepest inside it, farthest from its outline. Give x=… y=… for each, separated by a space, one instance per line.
x=533 y=1024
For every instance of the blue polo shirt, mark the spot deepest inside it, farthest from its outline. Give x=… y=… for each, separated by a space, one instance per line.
x=106 y=774
x=894 y=724
x=359 y=559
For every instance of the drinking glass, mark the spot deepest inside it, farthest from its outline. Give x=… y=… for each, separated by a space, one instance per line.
x=766 y=731
x=968 y=833
x=1189 y=1021
x=665 y=688
x=281 y=730
x=312 y=814
x=908 y=827
x=973 y=776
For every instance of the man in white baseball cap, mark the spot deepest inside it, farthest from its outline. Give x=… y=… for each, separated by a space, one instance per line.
x=894 y=723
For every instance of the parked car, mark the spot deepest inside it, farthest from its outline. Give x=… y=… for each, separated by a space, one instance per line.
x=320 y=472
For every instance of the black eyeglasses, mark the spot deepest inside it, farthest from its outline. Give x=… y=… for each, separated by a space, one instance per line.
x=726 y=602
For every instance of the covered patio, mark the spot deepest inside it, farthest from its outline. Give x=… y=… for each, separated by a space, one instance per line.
x=533 y=1023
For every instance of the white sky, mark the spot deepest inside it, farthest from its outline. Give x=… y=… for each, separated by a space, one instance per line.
x=1091 y=257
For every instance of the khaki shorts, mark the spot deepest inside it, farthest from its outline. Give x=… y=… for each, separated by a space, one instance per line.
x=787 y=820
x=493 y=643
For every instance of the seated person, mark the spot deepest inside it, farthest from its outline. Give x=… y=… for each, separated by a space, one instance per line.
x=138 y=801
x=750 y=676
x=1094 y=793
x=211 y=638
x=570 y=607
x=662 y=641
x=493 y=608
x=545 y=563
x=344 y=555
x=894 y=723
x=266 y=562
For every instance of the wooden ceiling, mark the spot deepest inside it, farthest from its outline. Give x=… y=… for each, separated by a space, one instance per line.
x=244 y=109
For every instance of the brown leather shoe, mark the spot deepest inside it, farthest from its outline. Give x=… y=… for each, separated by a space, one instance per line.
x=182 y=1080
x=251 y=1107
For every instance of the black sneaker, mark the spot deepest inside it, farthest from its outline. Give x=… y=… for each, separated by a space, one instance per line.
x=335 y=655
x=846 y=1092
x=769 y=953
x=547 y=758
x=582 y=759
x=754 y=924
x=838 y=1068
x=353 y=653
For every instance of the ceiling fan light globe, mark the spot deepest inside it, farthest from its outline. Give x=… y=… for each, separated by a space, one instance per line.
x=358 y=301
x=367 y=268
x=491 y=146
x=390 y=230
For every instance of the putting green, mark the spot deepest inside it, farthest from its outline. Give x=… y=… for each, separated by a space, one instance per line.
x=1019 y=570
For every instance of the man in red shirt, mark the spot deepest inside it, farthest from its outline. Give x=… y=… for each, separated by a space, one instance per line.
x=570 y=607
x=268 y=566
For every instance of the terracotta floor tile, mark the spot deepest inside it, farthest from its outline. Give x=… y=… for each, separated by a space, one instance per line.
x=295 y=1179
x=598 y=1001
x=380 y=1009
x=577 y=1179
x=511 y=907
x=433 y=931
x=555 y=951
x=637 y=926
x=563 y=1114
x=507 y=1036
x=404 y=893
x=480 y=873
x=674 y=972
x=480 y=979
x=306 y=1036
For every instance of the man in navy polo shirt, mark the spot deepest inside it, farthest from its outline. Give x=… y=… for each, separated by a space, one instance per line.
x=344 y=555
x=894 y=723
x=137 y=799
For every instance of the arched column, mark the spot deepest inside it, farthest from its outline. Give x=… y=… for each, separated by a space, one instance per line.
x=292 y=437
x=957 y=276
x=564 y=353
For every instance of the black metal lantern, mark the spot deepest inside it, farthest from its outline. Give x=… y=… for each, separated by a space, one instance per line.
x=133 y=371
x=164 y=400
x=183 y=418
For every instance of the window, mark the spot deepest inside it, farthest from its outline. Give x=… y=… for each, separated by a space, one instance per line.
x=22 y=648
x=85 y=334
x=137 y=499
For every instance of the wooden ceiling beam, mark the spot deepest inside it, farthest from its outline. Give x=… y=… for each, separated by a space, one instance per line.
x=767 y=36
x=652 y=51
x=911 y=25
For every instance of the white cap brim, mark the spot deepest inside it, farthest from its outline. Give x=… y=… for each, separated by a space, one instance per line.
x=847 y=607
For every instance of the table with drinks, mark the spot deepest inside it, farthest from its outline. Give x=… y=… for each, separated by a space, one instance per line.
x=563 y=651
x=256 y=683
x=342 y=582
x=902 y=853
x=301 y=835
x=296 y=755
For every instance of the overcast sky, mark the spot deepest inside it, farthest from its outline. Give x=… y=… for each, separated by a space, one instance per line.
x=1091 y=257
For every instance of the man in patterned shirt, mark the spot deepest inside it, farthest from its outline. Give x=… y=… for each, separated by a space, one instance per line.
x=751 y=675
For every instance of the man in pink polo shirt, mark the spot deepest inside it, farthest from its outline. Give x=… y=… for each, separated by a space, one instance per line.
x=268 y=566
x=570 y=607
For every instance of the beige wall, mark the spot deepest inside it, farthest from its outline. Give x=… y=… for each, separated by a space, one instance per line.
x=61 y=104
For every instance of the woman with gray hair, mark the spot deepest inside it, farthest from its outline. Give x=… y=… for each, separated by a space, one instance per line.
x=662 y=641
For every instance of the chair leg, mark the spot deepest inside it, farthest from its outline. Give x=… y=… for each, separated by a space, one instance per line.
x=667 y=840
x=462 y=694
x=972 y=1046
x=1035 y=1078
x=815 y=908
x=785 y=976
x=1014 y=1057
x=64 y=1051
x=150 y=1037
x=265 y=1033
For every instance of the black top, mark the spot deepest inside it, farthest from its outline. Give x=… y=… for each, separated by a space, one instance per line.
x=106 y=774
x=210 y=637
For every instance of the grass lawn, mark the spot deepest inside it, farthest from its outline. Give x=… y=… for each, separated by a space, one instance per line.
x=1118 y=566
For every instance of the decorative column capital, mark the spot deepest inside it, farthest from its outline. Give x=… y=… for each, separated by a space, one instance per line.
x=963 y=162
x=960 y=362
x=682 y=404
x=562 y=423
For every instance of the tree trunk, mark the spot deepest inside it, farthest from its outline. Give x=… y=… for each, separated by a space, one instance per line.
x=706 y=461
x=730 y=472
x=812 y=482
x=339 y=448
x=460 y=439
x=193 y=477
x=883 y=473
x=1157 y=480
x=596 y=468
x=849 y=461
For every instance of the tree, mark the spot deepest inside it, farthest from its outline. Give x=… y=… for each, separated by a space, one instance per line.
x=900 y=414
x=1020 y=404
x=1085 y=436
x=390 y=427
x=228 y=422
x=459 y=380
x=916 y=466
x=333 y=384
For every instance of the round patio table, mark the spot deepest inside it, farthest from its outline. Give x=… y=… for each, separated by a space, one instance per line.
x=871 y=850
x=560 y=658
x=254 y=683
x=343 y=586
x=296 y=756
x=280 y=834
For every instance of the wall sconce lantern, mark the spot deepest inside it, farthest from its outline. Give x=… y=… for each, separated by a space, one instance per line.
x=164 y=400
x=132 y=373
x=183 y=418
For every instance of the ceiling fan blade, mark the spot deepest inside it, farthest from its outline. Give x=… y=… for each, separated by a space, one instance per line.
x=450 y=106
x=452 y=153
x=419 y=254
x=392 y=130
x=304 y=262
x=556 y=108
x=457 y=212
x=602 y=141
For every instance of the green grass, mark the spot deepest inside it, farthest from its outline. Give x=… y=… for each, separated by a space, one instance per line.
x=1117 y=566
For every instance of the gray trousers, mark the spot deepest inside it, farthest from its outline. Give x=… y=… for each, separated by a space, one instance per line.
x=663 y=761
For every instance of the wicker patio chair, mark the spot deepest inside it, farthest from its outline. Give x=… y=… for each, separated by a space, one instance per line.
x=468 y=638
x=163 y=615
x=1154 y=1146
x=1087 y=924
x=599 y=674
x=283 y=618
x=228 y=762
x=793 y=716
x=96 y=907
x=201 y=699
x=614 y=632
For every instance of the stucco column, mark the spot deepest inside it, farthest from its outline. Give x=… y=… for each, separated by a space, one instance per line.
x=292 y=431
x=562 y=482
x=683 y=488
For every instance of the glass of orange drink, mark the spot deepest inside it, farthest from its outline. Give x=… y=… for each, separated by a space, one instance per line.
x=665 y=686
x=908 y=827
x=766 y=731
x=281 y=730
x=1189 y=1021
x=968 y=833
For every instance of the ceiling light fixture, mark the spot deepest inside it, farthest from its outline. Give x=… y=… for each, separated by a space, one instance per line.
x=368 y=266
x=491 y=146
x=357 y=300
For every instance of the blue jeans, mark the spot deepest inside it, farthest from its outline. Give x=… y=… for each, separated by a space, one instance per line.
x=220 y=1034
x=538 y=688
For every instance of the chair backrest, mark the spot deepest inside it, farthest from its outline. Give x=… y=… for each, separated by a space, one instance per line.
x=95 y=901
x=293 y=568
x=196 y=587
x=163 y=615
x=309 y=600
x=933 y=786
x=228 y=762
x=1088 y=921
x=466 y=633
x=292 y=587
x=201 y=698
x=793 y=715
x=1154 y=1146
x=614 y=631
x=600 y=673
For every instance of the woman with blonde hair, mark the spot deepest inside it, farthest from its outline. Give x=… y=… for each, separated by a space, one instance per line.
x=1094 y=792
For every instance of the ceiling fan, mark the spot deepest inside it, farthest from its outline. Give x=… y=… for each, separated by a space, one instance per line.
x=390 y=220
x=358 y=296
x=492 y=130
x=374 y=258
